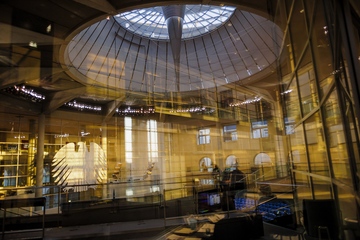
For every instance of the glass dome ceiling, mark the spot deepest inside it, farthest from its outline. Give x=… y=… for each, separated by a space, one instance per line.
x=240 y=50
x=198 y=20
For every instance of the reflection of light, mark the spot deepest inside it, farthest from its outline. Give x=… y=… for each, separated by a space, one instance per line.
x=82 y=106
x=48 y=28
x=83 y=134
x=207 y=181
x=248 y=101
x=135 y=110
x=286 y=92
x=30 y=92
x=22 y=136
x=25 y=92
x=149 y=170
x=194 y=109
x=129 y=192
x=61 y=135
x=154 y=189
x=325 y=30
x=33 y=44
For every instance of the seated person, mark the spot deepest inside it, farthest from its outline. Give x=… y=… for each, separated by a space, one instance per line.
x=233 y=179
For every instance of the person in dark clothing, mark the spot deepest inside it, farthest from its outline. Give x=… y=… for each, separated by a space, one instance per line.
x=216 y=173
x=237 y=180
x=216 y=170
x=233 y=180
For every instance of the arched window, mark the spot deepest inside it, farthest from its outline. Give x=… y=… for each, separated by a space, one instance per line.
x=231 y=161
x=262 y=158
x=206 y=164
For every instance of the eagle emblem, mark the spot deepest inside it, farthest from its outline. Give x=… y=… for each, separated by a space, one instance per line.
x=78 y=168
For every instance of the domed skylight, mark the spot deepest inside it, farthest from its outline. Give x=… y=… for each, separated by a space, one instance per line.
x=198 y=20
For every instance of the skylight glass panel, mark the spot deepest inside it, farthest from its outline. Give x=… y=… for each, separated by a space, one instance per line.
x=198 y=20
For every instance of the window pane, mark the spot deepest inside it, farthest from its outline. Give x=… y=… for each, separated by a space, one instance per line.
x=316 y=146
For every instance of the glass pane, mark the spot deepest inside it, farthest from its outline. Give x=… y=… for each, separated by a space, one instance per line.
x=337 y=143
x=302 y=186
x=298 y=150
x=298 y=30
x=316 y=146
x=287 y=58
x=347 y=203
x=291 y=98
x=306 y=60
x=322 y=188
x=321 y=46
x=289 y=4
x=280 y=15
x=307 y=85
x=309 y=8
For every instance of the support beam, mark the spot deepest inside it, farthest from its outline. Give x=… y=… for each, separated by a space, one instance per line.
x=59 y=98
x=111 y=108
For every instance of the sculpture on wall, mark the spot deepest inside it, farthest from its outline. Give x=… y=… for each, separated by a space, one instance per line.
x=79 y=168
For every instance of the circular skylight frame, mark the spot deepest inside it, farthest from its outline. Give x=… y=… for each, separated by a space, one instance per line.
x=198 y=20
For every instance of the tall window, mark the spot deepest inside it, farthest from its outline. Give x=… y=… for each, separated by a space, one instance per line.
x=230 y=133
x=128 y=139
x=259 y=129
x=152 y=141
x=204 y=136
x=289 y=125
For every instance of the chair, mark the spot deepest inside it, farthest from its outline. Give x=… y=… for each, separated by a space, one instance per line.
x=320 y=220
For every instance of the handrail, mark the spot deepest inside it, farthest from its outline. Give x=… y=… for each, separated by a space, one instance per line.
x=20 y=203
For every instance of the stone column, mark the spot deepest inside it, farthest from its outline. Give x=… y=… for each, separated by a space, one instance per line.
x=40 y=156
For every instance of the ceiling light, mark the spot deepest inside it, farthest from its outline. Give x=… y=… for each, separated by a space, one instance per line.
x=33 y=44
x=286 y=92
x=82 y=106
x=25 y=92
x=135 y=110
x=248 y=101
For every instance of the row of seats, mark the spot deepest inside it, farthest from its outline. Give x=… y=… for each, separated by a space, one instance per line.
x=270 y=210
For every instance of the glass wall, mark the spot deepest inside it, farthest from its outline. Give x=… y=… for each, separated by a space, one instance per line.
x=317 y=100
x=295 y=125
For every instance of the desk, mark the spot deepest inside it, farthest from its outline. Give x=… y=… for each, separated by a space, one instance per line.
x=244 y=226
x=204 y=231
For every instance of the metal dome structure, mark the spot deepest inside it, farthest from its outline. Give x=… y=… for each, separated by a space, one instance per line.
x=114 y=54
